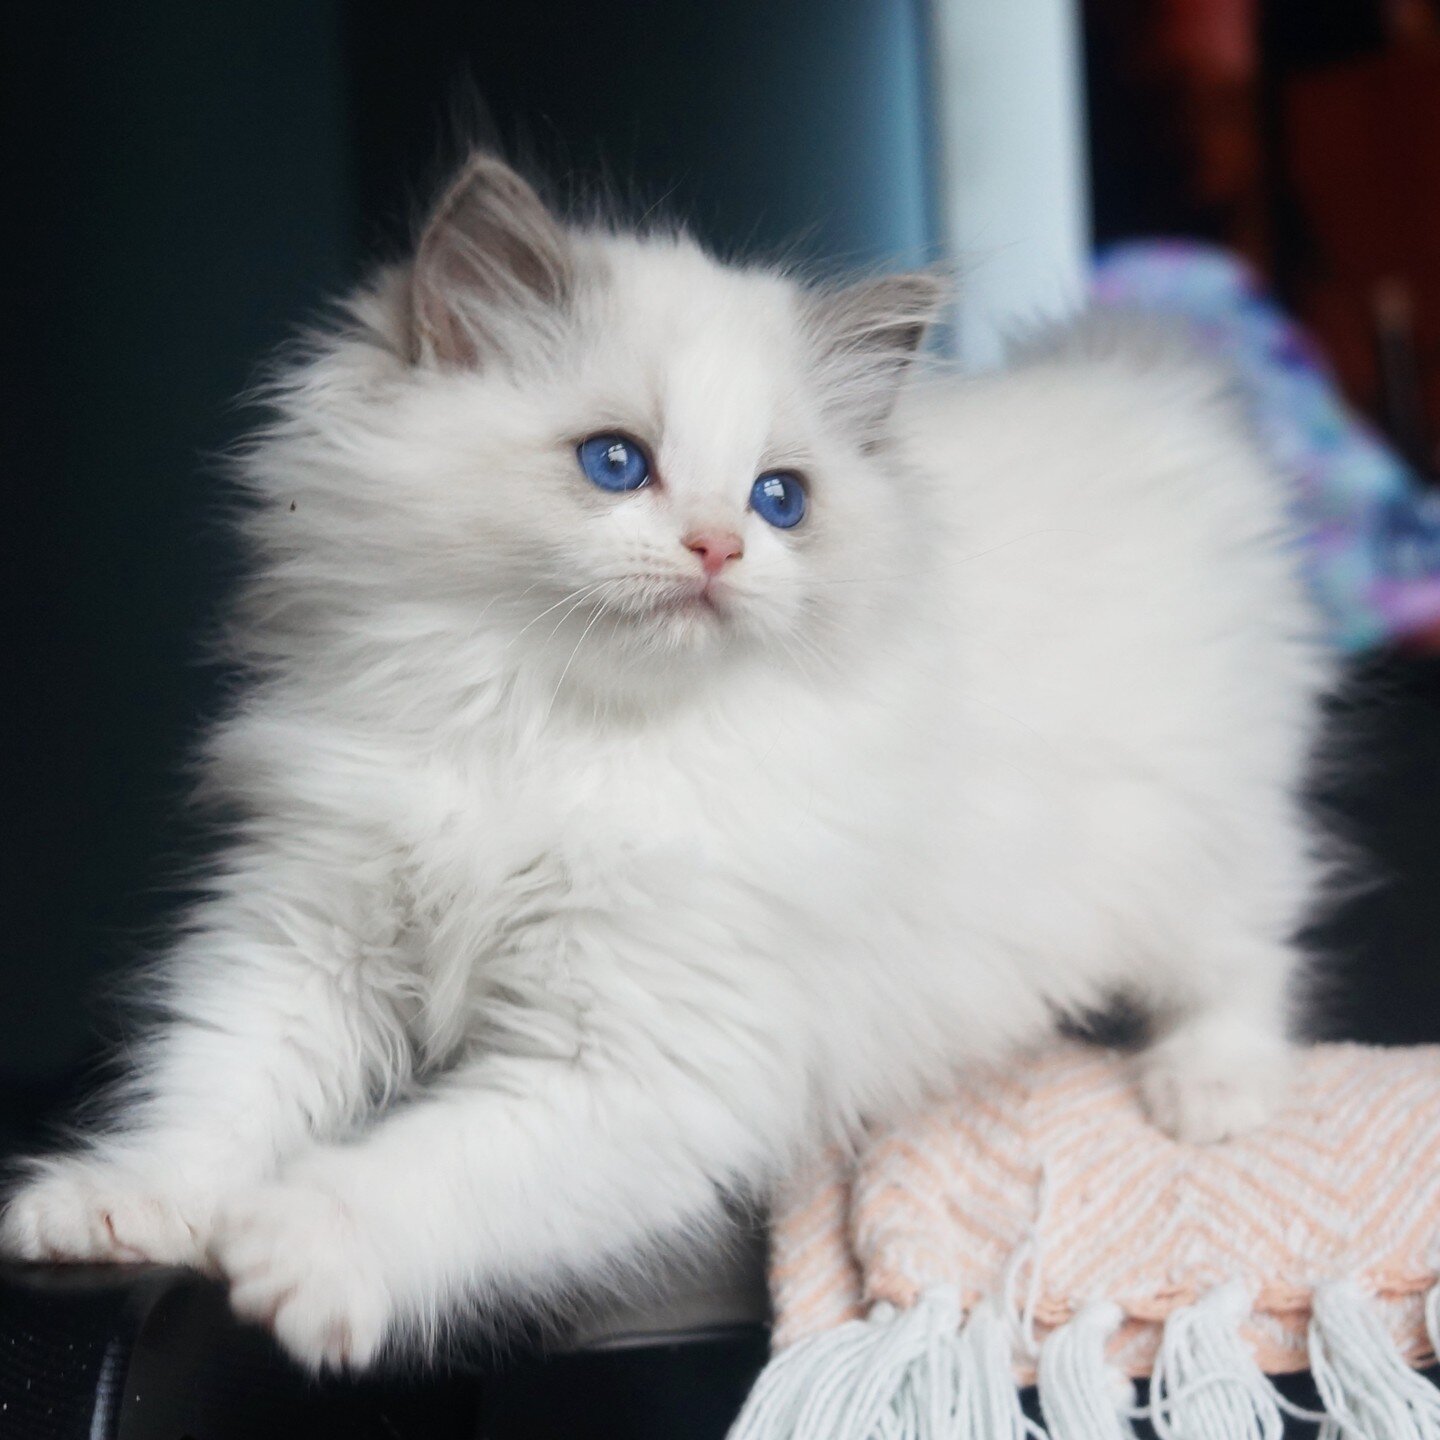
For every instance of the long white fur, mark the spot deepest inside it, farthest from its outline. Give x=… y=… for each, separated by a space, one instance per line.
x=555 y=909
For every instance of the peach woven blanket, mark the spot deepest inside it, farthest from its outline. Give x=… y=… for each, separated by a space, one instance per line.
x=1037 y=1227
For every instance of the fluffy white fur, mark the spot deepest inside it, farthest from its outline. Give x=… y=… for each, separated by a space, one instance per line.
x=562 y=902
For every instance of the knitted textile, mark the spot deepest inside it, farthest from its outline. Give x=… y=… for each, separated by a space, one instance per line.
x=1044 y=1197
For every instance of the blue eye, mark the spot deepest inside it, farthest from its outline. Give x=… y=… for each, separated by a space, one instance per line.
x=613 y=463
x=778 y=498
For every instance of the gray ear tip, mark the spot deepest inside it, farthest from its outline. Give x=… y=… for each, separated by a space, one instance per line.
x=929 y=291
x=920 y=292
x=488 y=167
x=484 y=177
x=489 y=244
x=884 y=312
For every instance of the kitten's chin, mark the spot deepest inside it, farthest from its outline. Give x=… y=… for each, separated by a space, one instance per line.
x=663 y=634
x=683 y=617
x=688 y=624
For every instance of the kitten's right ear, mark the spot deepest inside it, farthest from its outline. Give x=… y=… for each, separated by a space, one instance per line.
x=489 y=255
x=868 y=333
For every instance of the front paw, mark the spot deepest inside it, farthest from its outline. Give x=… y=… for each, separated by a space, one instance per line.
x=299 y=1264
x=90 y=1210
x=1204 y=1085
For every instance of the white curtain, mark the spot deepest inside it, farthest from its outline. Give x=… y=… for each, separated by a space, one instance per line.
x=1011 y=182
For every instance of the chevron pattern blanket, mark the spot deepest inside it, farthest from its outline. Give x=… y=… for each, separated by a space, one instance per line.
x=1036 y=1228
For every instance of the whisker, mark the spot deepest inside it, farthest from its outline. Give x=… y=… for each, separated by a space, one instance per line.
x=495 y=600
x=802 y=647
x=549 y=608
x=584 y=599
x=556 y=695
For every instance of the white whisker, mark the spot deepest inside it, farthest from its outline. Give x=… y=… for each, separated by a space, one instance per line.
x=549 y=609
x=583 y=600
x=588 y=628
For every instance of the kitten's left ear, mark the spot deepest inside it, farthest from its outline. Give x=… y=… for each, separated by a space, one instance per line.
x=491 y=259
x=868 y=333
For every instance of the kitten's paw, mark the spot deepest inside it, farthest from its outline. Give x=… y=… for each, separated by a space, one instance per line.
x=1203 y=1086
x=90 y=1210
x=299 y=1264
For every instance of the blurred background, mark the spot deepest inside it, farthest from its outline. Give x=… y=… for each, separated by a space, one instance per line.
x=186 y=184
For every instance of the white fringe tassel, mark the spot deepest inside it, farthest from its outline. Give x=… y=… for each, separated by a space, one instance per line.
x=1432 y=1321
x=917 y=1375
x=1083 y=1396
x=989 y=1406
x=1367 y=1387
x=895 y=1375
x=1206 y=1384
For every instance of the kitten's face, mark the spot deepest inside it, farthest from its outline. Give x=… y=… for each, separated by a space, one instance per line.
x=635 y=456
x=703 y=373
x=621 y=470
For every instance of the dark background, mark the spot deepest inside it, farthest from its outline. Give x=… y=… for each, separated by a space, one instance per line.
x=186 y=183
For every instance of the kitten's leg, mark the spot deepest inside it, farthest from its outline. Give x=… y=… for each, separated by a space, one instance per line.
x=516 y=1178
x=1221 y=1060
x=274 y=1030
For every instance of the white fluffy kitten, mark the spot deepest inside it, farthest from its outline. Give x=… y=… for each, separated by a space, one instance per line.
x=601 y=851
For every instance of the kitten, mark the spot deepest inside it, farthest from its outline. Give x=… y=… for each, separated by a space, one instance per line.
x=679 y=731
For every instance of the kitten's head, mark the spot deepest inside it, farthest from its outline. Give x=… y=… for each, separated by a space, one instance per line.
x=622 y=454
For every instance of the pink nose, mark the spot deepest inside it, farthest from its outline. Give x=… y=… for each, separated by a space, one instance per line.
x=716 y=548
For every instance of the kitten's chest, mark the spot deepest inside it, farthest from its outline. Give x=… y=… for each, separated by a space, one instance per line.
x=581 y=829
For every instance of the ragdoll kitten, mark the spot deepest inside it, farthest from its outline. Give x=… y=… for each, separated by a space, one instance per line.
x=676 y=735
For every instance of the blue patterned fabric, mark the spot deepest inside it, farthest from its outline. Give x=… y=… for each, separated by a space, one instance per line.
x=1372 y=530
